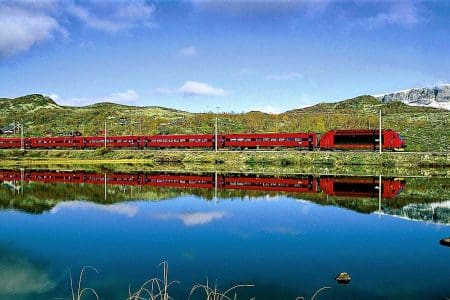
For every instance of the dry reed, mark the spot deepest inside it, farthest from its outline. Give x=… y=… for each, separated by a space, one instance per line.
x=158 y=289
x=80 y=291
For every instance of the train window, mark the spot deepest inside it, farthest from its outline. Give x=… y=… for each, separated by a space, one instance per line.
x=355 y=139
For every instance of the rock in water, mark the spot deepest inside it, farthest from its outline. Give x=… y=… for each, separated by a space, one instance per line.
x=343 y=278
x=445 y=242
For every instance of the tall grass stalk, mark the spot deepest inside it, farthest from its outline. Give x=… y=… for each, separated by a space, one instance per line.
x=158 y=289
x=315 y=294
x=214 y=293
x=155 y=288
x=80 y=290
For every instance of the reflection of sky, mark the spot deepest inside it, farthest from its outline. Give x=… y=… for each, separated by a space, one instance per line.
x=287 y=248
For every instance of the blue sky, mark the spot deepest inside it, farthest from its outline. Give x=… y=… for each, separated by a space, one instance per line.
x=221 y=55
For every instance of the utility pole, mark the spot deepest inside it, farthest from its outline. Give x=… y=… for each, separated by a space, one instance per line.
x=105 y=134
x=379 y=135
x=216 y=127
x=22 y=144
x=215 y=134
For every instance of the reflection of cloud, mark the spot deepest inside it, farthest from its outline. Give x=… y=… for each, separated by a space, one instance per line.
x=188 y=255
x=120 y=209
x=265 y=198
x=284 y=231
x=19 y=276
x=193 y=218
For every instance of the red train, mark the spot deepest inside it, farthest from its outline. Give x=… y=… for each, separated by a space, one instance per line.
x=330 y=140
x=364 y=187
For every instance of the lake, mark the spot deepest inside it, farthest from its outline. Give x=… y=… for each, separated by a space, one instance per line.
x=287 y=235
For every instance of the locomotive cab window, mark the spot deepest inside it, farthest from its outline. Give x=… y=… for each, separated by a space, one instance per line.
x=355 y=139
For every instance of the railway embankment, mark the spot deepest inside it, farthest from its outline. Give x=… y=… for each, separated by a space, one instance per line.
x=228 y=158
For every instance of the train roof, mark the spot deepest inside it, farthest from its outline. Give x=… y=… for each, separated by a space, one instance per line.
x=357 y=131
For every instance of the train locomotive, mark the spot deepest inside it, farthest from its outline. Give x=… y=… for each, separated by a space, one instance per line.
x=350 y=139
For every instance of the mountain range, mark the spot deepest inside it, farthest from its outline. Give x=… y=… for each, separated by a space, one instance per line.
x=41 y=115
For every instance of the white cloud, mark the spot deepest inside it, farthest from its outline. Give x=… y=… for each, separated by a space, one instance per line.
x=262 y=8
x=404 y=13
x=193 y=218
x=285 y=76
x=136 y=10
x=129 y=97
x=187 y=51
x=113 y=17
x=194 y=88
x=22 y=28
x=27 y=23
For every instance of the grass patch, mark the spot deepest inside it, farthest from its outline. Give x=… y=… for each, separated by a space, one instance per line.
x=159 y=288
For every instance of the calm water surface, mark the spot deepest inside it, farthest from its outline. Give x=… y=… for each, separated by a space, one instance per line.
x=286 y=244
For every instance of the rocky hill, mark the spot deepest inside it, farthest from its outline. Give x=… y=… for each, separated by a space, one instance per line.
x=26 y=104
x=43 y=116
x=438 y=97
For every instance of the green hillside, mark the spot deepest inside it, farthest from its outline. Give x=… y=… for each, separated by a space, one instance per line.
x=423 y=128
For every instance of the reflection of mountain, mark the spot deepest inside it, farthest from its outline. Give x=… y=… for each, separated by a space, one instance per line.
x=430 y=212
x=38 y=191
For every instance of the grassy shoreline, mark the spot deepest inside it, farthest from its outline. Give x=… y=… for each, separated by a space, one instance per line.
x=276 y=163
x=231 y=158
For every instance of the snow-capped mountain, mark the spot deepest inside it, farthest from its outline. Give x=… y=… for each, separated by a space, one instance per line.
x=438 y=96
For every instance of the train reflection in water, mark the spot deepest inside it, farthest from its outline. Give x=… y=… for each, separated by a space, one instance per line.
x=348 y=186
